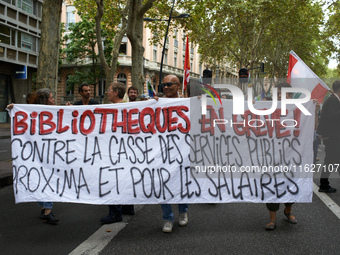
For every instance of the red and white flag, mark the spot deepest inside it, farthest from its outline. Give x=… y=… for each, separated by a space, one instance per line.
x=301 y=76
x=186 y=75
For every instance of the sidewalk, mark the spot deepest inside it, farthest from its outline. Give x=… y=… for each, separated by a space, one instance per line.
x=6 y=174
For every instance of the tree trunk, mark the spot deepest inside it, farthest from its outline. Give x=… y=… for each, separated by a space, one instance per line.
x=110 y=71
x=135 y=35
x=49 y=45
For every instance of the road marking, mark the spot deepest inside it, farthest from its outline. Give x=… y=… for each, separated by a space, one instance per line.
x=96 y=243
x=3 y=151
x=99 y=239
x=327 y=201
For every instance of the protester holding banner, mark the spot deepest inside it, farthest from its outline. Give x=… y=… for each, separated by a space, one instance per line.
x=43 y=96
x=85 y=92
x=132 y=93
x=171 y=85
x=115 y=93
x=274 y=207
x=329 y=129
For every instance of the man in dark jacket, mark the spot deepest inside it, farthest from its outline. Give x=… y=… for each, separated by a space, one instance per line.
x=329 y=129
x=85 y=92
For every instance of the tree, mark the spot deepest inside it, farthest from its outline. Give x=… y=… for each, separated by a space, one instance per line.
x=82 y=41
x=249 y=32
x=332 y=30
x=117 y=15
x=110 y=15
x=49 y=45
x=135 y=35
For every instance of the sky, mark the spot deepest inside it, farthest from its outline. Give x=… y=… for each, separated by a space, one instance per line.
x=332 y=64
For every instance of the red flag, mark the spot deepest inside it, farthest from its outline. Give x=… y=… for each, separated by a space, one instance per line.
x=186 y=75
x=300 y=75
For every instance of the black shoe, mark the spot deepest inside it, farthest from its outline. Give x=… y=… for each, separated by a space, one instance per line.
x=42 y=213
x=49 y=218
x=328 y=189
x=110 y=219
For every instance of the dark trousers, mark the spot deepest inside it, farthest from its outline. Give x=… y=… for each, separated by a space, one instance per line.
x=275 y=206
x=118 y=210
x=315 y=148
x=332 y=150
x=115 y=210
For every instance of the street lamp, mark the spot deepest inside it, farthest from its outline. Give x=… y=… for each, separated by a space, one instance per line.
x=183 y=15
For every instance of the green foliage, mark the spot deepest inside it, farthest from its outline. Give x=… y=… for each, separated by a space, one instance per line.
x=34 y=81
x=111 y=17
x=83 y=75
x=246 y=33
x=80 y=47
x=332 y=30
x=81 y=42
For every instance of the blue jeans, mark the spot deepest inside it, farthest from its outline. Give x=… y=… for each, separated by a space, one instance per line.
x=46 y=205
x=167 y=211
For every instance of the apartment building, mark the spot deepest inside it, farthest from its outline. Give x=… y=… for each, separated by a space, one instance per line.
x=173 y=62
x=19 y=47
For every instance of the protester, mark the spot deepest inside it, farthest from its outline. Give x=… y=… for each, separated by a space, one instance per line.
x=274 y=207
x=132 y=93
x=171 y=84
x=85 y=92
x=329 y=130
x=115 y=94
x=43 y=96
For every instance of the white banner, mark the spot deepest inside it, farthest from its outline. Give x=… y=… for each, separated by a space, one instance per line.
x=160 y=152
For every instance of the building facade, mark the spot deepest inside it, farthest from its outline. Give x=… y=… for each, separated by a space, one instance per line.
x=173 y=62
x=20 y=30
x=19 y=47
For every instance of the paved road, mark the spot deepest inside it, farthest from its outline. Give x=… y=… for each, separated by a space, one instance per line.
x=213 y=229
x=5 y=149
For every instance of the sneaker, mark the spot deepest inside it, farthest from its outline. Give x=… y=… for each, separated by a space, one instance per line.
x=328 y=189
x=49 y=218
x=167 y=227
x=183 y=219
x=110 y=219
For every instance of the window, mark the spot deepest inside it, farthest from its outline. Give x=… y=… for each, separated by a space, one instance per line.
x=166 y=57
x=5 y=35
x=70 y=16
x=154 y=57
x=175 y=39
x=154 y=82
x=10 y=1
x=69 y=86
x=26 y=42
x=122 y=49
x=26 y=5
x=122 y=78
x=175 y=59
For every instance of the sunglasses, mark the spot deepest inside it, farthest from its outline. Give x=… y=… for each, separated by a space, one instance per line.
x=168 y=84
